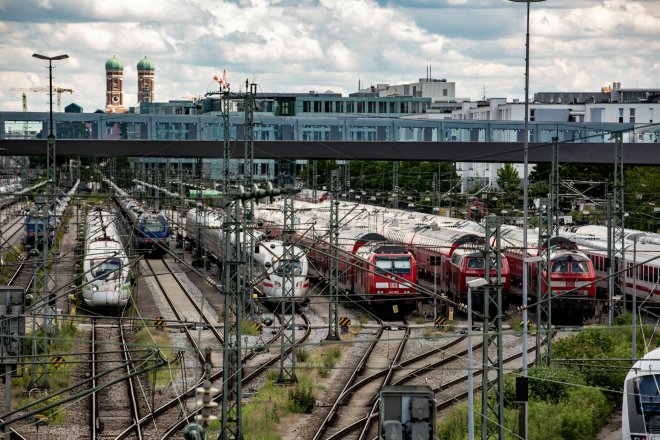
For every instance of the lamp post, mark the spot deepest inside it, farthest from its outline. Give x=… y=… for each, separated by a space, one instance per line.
x=525 y=198
x=476 y=283
x=51 y=174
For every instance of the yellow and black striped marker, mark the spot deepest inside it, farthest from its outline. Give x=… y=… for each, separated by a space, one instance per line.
x=159 y=321
x=258 y=327
x=440 y=320
x=529 y=324
x=57 y=361
x=344 y=322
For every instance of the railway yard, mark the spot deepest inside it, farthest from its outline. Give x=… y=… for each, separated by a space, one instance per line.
x=135 y=366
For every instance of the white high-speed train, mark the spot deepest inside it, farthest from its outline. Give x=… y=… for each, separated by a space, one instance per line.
x=640 y=417
x=270 y=266
x=106 y=271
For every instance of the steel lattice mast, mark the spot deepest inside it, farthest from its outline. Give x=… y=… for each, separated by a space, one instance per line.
x=248 y=182
x=44 y=304
x=232 y=365
x=544 y=300
x=618 y=218
x=333 y=230
x=492 y=415
x=554 y=187
x=288 y=304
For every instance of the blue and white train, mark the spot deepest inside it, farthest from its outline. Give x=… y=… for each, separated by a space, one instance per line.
x=151 y=230
x=40 y=223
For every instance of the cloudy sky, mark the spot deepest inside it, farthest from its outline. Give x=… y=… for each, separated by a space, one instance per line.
x=303 y=45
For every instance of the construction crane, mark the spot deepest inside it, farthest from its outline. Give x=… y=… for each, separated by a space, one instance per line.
x=58 y=90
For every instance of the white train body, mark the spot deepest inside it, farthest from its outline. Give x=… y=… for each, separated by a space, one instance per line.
x=106 y=279
x=640 y=417
x=643 y=282
x=269 y=265
x=270 y=262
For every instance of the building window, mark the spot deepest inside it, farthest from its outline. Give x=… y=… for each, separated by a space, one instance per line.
x=371 y=107
x=382 y=107
x=620 y=116
x=306 y=107
x=339 y=107
x=350 y=107
x=444 y=92
x=360 y=107
x=328 y=106
x=317 y=106
x=532 y=115
x=632 y=115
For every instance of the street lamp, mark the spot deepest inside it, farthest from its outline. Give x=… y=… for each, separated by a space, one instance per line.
x=525 y=196
x=473 y=284
x=50 y=152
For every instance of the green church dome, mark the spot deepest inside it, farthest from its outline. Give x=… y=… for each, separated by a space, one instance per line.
x=145 y=64
x=114 y=64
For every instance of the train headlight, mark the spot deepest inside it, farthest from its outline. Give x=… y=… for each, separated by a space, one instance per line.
x=95 y=288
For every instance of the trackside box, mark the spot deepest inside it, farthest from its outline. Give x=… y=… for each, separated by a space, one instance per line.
x=407 y=413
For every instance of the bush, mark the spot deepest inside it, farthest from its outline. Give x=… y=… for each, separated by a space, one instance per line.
x=453 y=426
x=301 y=400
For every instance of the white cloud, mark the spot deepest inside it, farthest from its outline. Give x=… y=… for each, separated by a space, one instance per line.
x=302 y=45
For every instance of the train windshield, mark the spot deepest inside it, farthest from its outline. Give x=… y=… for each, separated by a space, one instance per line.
x=478 y=263
x=647 y=393
x=154 y=225
x=288 y=268
x=579 y=267
x=393 y=265
x=565 y=266
x=106 y=269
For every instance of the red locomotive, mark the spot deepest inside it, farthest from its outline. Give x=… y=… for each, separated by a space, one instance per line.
x=572 y=274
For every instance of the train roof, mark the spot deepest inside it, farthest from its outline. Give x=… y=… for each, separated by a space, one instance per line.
x=649 y=364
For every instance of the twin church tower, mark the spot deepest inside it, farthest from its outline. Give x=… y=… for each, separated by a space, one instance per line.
x=114 y=95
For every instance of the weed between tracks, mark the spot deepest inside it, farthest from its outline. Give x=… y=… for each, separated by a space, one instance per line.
x=151 y=339
x=276 y=407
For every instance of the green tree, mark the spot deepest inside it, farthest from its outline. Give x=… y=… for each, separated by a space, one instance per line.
x=509 y=182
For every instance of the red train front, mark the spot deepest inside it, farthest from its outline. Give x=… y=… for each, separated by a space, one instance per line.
x=572 y=275
x=380 y=272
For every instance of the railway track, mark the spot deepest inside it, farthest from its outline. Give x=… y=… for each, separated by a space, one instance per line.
x=186 y=309
x=112 y=408
x=453 y=391
x=350 y=404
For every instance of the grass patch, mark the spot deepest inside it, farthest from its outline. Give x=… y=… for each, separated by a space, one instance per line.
x=62 y=342
x=302 y=355
x=428 y=332
x=248 y=328
x=149 y=338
